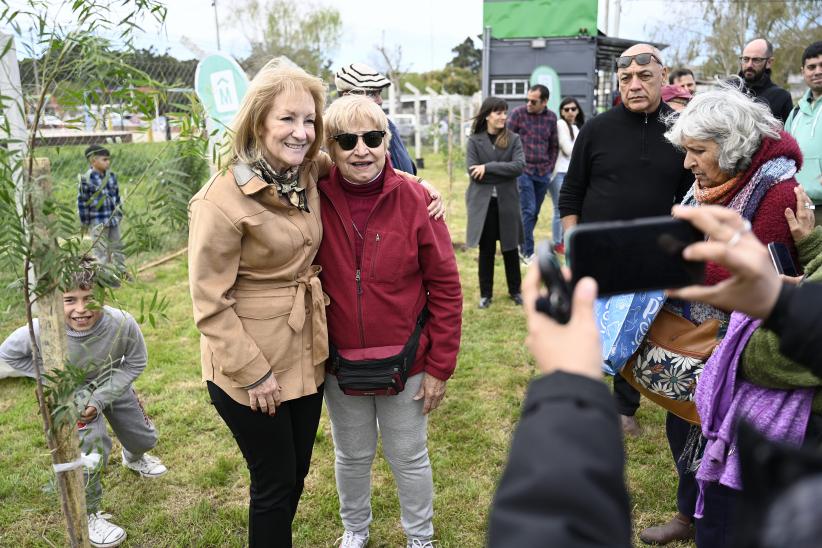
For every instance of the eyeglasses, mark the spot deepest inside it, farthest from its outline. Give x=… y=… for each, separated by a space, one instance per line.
x=372 y=93
x=640 y=58
x=348 y=141
x=534 y=101
x=569 y=109
x=754 y=60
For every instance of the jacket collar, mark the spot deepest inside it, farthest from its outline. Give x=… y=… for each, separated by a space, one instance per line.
x=330 y=185
x=661 y=109
x=761 y=83
x=250 y=183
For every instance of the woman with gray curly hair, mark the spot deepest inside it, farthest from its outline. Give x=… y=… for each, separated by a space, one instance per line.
x=741 y=159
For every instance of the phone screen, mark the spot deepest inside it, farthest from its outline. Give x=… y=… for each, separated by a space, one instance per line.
x=782 y=260
x=638 y=255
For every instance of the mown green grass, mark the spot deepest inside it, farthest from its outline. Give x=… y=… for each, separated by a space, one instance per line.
x=202 y=500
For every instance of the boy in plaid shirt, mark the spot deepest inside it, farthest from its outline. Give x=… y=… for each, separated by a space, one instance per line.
x=98 y=203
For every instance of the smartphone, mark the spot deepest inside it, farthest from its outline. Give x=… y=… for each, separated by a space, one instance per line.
x=638 y=255
x=557 y=303
x=781 y=258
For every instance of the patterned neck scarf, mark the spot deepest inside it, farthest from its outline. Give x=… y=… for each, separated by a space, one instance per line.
x=288 y=183
x=716 y=194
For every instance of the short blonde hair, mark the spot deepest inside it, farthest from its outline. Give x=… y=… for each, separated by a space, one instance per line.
x=244 y=143
x=352 y=110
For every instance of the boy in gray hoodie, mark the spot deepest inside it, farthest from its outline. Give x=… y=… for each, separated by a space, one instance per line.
x=107 y=344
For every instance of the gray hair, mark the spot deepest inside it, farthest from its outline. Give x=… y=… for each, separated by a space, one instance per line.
x=731 y=119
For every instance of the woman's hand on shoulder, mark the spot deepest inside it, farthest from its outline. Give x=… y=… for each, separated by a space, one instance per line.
x=266 y=396
x=436 y=207
x=802 y=222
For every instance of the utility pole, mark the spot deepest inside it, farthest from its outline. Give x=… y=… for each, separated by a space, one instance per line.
x=216 y=24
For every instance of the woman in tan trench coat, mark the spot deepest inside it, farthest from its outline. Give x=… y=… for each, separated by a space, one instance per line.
x=254 y=232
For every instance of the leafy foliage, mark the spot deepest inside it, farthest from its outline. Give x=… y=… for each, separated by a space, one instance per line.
x=307 y=35
x=790 y=25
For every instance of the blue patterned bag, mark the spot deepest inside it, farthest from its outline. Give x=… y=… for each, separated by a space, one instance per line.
x=623 y=322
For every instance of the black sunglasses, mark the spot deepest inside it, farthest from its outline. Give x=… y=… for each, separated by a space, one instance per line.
x=569 y=109
x=348 y=141
x=640 y=58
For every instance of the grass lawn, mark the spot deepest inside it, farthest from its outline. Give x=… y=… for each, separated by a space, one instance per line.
x=202 y=500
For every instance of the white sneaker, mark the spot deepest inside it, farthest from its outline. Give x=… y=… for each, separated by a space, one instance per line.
x=526 y=260
x=418 y=543
x=351 y=539
x=102 y=533
x=147 y=466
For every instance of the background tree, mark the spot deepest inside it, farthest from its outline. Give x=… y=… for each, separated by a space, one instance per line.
x=306 y=34
x=466 y=56
x=714 y=32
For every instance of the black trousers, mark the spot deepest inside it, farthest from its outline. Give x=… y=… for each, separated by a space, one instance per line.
x=625 y=396
x=487 y=252
x=676 y=430
x=277 y=451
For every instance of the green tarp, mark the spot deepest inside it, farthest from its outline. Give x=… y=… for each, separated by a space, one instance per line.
x=540 y=18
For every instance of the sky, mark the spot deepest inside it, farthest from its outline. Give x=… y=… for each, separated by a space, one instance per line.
x=426 y=30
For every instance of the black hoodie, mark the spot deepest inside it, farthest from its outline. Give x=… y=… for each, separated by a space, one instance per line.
x=777 y=99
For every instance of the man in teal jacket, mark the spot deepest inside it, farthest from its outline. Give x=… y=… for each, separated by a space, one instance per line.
x=805 y=124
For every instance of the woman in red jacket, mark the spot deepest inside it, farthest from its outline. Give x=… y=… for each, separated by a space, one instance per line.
x=391 y=275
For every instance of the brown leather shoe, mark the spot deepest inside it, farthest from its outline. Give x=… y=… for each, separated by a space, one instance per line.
x=630 y=426
x=680 y=527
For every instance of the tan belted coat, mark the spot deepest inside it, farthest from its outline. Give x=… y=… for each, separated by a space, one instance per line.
x=258 y=302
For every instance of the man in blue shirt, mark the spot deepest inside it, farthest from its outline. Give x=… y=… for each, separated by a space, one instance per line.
x=100 y=209
x=360 y=79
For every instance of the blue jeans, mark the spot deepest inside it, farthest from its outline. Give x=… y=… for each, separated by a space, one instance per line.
x=532 y=190
x=556 y=224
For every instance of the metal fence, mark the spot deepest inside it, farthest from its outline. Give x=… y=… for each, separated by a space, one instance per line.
x=157 y=164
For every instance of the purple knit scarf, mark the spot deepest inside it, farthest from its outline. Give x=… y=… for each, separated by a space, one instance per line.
x=722 y=400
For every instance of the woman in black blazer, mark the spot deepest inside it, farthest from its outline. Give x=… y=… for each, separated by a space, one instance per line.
x=495 y=159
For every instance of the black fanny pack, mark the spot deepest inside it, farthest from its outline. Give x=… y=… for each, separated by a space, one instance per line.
x=379 y=371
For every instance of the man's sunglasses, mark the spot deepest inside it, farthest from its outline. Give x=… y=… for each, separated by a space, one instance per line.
x=348 y=141
x=373 y=93
x=640 y=58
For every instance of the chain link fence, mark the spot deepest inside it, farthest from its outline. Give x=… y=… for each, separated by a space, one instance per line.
x=158 y=162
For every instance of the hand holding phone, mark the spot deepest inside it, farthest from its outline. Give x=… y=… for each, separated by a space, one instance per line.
x=557 y=303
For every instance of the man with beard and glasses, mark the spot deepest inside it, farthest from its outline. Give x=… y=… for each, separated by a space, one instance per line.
x=755 y=68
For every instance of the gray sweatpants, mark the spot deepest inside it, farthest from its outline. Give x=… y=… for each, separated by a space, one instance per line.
x=355 y=421
x=109 y=246
x=132 y=427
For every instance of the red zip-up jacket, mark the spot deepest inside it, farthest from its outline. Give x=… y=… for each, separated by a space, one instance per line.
x=407 y=262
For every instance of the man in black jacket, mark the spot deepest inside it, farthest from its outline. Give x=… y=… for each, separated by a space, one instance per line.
x=755 y=63
x=623 y=168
